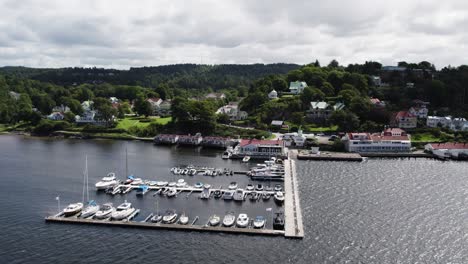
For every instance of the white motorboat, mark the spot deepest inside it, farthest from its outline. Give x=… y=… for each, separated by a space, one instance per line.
x=226 y=155
x=279 y=197
x=205 y=194
x=249 y=187
x=198 y=185
x=183 y=219
x=169 y=217
x=228 y=195
x=229 y=219
x=73 y=209
x=156 y=218
x=278 y=188
x=104 y=211
x=137 y=181
x=242 y=220
x=214 y=220
x=161 y=183
x=259 y=222
x=181 y=183
x=232 y=186
x=107 y=182
x=171 y=192
x=206 y=186
x=246 y=159
x=172 y=184
x=239 y=195
x=123 y=211
x=90 y=209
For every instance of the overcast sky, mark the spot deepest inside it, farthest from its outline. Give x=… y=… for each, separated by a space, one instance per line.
x=122 y=34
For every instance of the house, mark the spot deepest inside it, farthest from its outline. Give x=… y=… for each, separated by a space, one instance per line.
x=165 y=108
x=390 y=140
x=419 y=112
x=216 y=96
x=14 y=95
x=61 y=108
x=168 y=139
x=233 y=111
x=322 y=110
x=297 y=87
x=260 y=148
x=155 y=103
x=194 y=140
x=87 y=105
x=277 y=123
x=273 y=95
x=377 y=103
x=56 y=116
x=294 y=139
x=404 y=119
x=376 y=81
x=436 y=121
x=86 y=118
x=459 y=124
x=217 y=142
x=114 y=100
x=448 y=150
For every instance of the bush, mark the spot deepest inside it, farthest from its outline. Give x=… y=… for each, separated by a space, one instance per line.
x=46 y=127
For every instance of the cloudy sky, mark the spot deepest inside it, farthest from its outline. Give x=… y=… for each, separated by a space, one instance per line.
x=122 y=34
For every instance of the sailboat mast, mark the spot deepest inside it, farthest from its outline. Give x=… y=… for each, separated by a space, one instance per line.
x=126 y=162
x=87 y=179
x=84 y=185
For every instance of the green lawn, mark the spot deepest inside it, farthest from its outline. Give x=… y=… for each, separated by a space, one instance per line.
x=2 y=127
x=424 y=137
x=128 y=122
x=321 y=129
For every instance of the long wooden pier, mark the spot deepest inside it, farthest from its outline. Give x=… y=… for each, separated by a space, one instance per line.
x=249 y=231
x=292 y=214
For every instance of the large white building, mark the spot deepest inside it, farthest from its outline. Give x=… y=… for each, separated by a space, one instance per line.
x=448 y=150
x=262 y=148
x=456 y=124
x=233 y=111
x=390 y=140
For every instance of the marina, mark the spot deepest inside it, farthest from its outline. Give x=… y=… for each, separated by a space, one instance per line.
x=285 y=220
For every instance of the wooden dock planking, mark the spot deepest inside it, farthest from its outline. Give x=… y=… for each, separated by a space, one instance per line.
x=292 y=213
x=249 y=231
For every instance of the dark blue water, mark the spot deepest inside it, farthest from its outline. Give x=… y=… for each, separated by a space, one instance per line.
x=380 y=211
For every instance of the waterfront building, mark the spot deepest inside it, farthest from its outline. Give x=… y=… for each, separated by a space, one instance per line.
x=217 y=142
x=294 y=139
x=390 y=140
x=297 y=87
x=166 y=139
x=193 y=140
x=448 y=150
x=264 y=148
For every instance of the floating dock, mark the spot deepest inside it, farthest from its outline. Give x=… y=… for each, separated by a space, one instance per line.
x=292 y=208
x=329 y=156
x=249 y=231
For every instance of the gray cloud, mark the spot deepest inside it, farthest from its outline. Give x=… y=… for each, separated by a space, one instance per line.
x=105 y=33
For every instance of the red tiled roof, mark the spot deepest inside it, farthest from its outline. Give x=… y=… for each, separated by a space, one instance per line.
x=245 y=142
x=379 y=137
x=449 y=145
x=403 y=114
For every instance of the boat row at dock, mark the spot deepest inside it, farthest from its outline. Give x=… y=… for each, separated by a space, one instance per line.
x=205 y=171
x=125 y=212
x=194 y=140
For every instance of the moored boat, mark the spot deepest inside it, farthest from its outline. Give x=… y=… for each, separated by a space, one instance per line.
x=214 y=220
x=107 y=182
x=183 y=219
x=229 y=219
x=156 y=218
x=104 y=211
x=259 y=222
x=123 y=211
x=73 y=209
x=90 y=209
x=242 y=220
x=169 y=217
x=246 y=159
x=279 y=197
x=171 y=192
x=278 y=221
x=232 y=186
x=228 y=195
x=239 y=195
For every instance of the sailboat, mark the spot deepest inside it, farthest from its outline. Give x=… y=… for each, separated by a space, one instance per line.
x=91 y=207
x=157 y=217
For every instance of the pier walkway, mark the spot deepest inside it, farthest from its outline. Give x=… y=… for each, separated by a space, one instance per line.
x=293 y=214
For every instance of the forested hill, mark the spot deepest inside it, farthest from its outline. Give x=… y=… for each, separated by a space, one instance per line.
x=188 y=76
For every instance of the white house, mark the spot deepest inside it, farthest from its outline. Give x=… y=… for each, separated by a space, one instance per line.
x=273 y=95
x=216 y=96
x=295 y=138
x=419 y=111
x=87 y=105
x=14 y=95
x=459 y=124
x=233 y=111
x=448 y=150
x=56 y=116
x=323 y=110
x=434 y=121
x=61 y=108
x=390 y=140
x=86 y=118
x=165 y=108
x=297 y=87
x=113 y=100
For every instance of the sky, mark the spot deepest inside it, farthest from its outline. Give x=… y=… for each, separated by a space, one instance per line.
x=122 y=34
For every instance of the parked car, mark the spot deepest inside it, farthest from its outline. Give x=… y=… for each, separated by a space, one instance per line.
x=333 y=138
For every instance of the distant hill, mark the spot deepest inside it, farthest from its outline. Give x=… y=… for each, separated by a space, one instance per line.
x=188 y=76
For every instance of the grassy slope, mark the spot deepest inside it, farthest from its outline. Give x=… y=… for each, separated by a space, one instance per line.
x=128 y=122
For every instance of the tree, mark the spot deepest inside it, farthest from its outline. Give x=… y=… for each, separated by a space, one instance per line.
x=295 y=75
x=333 y=64
x=361 y=106
x=346 y=121
x=347 y=95
x=311 y=94
x=143 y=107
x=327 y=89
x=279 y=84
